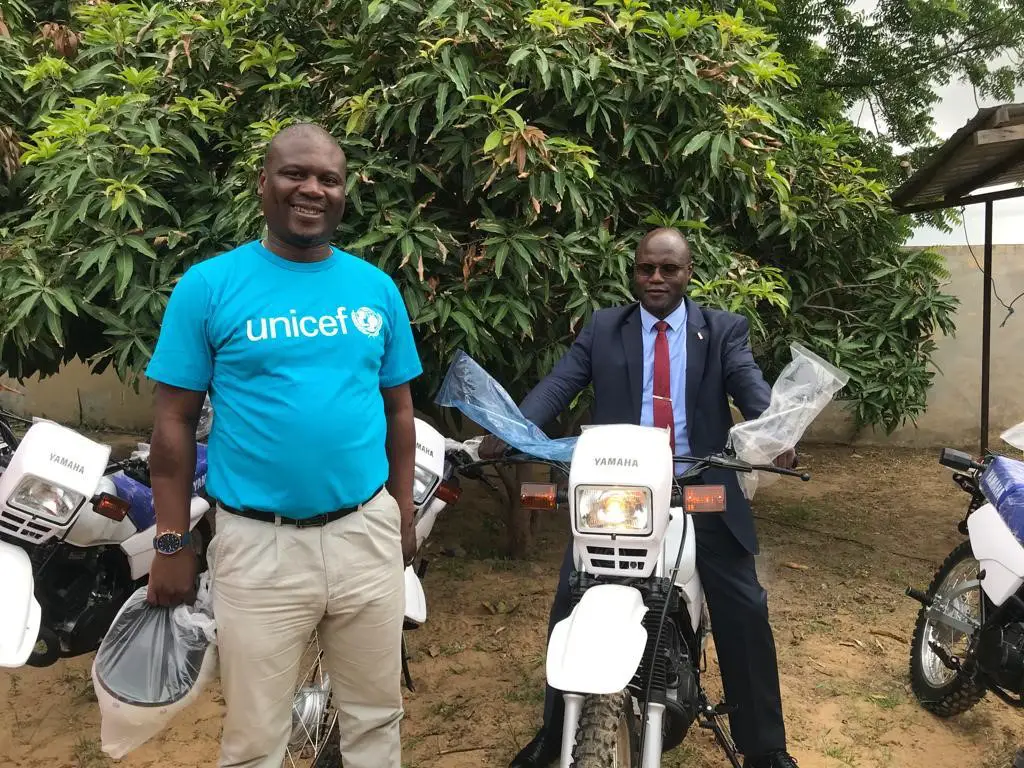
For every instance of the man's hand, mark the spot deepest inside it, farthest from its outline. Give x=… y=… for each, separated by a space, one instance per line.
x=172 y=578
x=786 y=459
x=492 y=447
x=408 y=538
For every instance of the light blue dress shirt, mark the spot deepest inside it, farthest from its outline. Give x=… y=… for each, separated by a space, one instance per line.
x=677 y=371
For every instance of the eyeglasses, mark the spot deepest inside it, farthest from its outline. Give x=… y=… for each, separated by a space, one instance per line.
x=668 y=271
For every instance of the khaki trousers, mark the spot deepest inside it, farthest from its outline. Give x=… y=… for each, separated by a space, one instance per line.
x=272 y=586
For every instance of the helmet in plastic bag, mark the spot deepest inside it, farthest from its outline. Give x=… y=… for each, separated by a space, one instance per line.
x=152 y=663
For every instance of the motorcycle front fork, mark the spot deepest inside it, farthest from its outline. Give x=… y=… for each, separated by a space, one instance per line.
x=652 y=737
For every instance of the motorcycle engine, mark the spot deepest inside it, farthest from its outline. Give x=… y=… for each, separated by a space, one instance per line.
x=1001 y=655
x=80 y=591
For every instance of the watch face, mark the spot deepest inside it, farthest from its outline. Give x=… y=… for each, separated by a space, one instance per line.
x=168 y=543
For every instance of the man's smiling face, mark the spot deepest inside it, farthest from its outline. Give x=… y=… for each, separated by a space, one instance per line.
x=303 y=188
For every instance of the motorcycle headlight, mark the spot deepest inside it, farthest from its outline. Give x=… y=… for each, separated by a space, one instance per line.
x=609 y=509
x=39 y=497
x=423 y=482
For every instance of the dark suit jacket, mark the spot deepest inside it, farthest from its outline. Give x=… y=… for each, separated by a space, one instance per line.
x=609 y=353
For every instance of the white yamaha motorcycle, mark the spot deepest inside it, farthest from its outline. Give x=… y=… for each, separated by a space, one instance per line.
x=969 y=636
x=76 y=539
x=627 y=656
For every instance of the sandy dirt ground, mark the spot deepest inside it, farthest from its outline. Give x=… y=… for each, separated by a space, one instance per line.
x=837 y=554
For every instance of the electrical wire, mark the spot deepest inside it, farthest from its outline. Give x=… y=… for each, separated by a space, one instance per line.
x=1008 y=307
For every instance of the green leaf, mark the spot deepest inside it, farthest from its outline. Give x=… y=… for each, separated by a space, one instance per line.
x=370 y=238
x=465 y=323
x=697 y=143
x=517 y=56
x=64 y=298
x=125 y=270
x=493 y=140
x=437 y=10
x=97 y=257
x=53 y=324
x=73 y=181
x=141 y=246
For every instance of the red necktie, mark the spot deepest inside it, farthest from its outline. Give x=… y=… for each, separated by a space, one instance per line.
x=663 y=413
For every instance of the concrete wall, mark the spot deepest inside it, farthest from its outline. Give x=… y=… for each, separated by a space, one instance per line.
x=76 y=397
x=954 y=402
x=952 y=417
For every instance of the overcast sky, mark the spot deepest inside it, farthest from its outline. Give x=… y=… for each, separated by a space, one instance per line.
x=958 y=105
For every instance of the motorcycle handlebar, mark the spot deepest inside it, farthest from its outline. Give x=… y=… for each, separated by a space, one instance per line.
x=720 y=461
x=738 y=465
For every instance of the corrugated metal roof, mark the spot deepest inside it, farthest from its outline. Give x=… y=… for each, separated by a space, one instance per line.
x=986 y=152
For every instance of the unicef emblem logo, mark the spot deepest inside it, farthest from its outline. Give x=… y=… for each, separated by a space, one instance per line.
x=367 y=321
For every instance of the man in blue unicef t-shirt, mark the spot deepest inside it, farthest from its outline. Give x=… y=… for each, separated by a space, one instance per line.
x=306 y=352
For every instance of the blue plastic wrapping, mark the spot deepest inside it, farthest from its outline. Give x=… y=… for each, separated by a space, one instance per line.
x=1002 y=482
x=470 y=389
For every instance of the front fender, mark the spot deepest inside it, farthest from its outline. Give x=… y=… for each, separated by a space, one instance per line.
x=415 y=598
x=19 y=610
x=598 y=648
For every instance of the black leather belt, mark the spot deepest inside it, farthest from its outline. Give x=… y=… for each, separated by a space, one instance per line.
x=317 y=521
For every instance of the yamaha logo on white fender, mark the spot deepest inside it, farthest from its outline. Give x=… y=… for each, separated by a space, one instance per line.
x=422 y=447
x=615 y=461
x=67 y=463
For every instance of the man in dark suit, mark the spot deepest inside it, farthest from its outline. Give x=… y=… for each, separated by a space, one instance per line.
x=667 y=362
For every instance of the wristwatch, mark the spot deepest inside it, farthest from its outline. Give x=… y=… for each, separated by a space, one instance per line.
x=169 y=542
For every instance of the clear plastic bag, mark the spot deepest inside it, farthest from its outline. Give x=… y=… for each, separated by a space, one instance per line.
x=473 y=391
x=806 y=385
x=471 y=447
x=1015 y=436
x=152 y=663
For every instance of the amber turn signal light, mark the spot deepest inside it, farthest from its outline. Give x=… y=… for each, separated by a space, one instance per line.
x=110 y=506
x=538 y=495
x=704 y=498
x=449 y=494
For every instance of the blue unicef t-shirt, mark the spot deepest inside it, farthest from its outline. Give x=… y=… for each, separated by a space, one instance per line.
x=294 y=356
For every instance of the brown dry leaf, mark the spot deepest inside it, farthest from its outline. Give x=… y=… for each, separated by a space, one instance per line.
x=419 y=267
x=64 y=40
x=536 y=205
x=520 y=155
x=186 y=44
x=170 y=59
x=796 y=566
x=4 y=31
x=10 y=153
x=433 y=651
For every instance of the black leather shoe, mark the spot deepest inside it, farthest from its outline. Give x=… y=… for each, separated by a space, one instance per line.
x=778 y=759
x=539 y=753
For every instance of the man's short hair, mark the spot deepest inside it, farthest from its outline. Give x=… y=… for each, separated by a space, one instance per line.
x=296 y=129
x=660 y=231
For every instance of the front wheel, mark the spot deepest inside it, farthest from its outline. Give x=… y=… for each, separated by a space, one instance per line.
x=940 y=690
x=607 y=735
